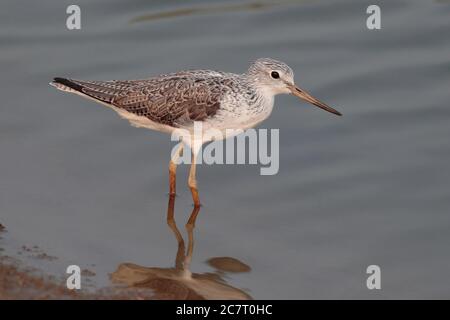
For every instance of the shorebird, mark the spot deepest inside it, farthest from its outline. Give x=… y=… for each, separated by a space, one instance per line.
x=218 y=100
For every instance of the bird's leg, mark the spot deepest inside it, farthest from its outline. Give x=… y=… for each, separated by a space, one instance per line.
x=192 y=181
x=173 y=169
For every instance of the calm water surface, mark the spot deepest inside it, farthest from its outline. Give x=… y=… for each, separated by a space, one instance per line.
x=372 y=187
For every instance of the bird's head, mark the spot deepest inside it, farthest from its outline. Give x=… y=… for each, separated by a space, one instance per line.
x=277 y=77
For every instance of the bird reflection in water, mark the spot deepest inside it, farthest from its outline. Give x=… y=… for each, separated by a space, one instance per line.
x=179 y=282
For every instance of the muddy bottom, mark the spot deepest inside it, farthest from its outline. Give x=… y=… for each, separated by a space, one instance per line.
x=18 y=281
x=20 y=278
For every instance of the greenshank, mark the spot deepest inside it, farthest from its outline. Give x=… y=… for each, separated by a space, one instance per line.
x=218 y=100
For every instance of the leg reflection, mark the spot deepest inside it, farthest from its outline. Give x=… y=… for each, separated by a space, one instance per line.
x=183 y=258
x=179 y=282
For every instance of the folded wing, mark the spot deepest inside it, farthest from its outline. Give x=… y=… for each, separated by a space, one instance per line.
x=174 y=100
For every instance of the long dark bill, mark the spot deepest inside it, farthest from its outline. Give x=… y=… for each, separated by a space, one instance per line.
x=296 y=91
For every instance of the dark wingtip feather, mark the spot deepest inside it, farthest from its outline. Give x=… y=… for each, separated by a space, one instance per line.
x=68 y=83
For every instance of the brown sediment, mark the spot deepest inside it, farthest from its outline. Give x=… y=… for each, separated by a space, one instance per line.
x=16 y=283
x=37 y=253
x=228 y=264
x=44 y=256
x=87 y=273
x=21 y=283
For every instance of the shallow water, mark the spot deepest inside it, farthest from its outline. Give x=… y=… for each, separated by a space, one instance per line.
x=372 y=187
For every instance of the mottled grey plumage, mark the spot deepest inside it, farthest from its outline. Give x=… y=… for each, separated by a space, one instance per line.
x=177 y=99
x=169 y=99
x=222 y=100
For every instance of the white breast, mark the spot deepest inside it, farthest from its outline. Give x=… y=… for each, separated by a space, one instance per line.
x=237 y=113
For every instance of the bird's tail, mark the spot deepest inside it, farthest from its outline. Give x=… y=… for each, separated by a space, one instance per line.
x=97 y=90
x=64 y=84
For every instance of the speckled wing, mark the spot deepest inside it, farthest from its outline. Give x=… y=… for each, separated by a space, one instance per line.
x=175 y=100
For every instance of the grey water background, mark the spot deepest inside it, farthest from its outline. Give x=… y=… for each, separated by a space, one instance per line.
x=372 y=187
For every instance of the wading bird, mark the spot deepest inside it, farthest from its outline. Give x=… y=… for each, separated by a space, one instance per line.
x=219 y=100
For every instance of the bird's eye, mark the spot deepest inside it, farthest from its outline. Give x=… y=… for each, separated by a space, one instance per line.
x=275 y=75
